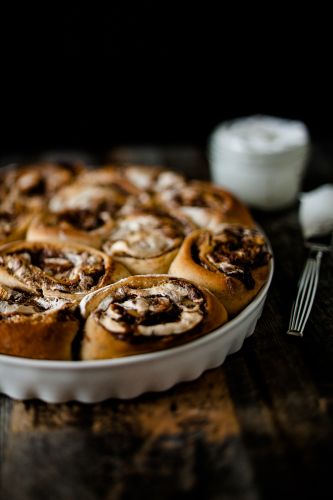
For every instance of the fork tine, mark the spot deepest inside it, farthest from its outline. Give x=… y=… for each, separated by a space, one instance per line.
x=305 y=296
x=310 y=289
x=301 y=294
x=312 y=293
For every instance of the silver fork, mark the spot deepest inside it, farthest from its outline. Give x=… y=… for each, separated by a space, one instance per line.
x=307 y=285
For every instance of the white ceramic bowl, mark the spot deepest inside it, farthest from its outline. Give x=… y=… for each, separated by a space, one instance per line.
x=124 y=378
x=261 y=159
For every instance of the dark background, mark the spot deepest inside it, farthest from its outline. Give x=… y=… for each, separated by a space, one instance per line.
x=91 y=77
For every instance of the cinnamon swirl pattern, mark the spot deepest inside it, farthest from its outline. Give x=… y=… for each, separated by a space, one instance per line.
x=146 y=313
x=92 y=198
x=83 y=226
x=36 y=327
x=207 y=205
x=232 y=264
x=52 y=269
x=152 y=179
x=147 y=241
x=139 y=182
x=144 y=178
x=68 y=234
x=81 y=213
x=32 y=185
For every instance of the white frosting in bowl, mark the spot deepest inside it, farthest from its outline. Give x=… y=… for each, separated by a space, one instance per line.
x=261 y=159
x=261 y=134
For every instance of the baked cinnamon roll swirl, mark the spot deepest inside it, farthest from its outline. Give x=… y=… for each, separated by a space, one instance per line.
x=83 y=226
x=232 y=264
x=147 y=241
x=146 y=313
x=36 y=327
x=206 y=204
x=79 y=213
x=66 y=271
x=92 y=198
x=33 y=185
x=142 y=177
x=139 y=181
x=108 y=176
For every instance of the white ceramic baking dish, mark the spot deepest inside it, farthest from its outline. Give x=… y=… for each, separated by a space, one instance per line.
x=124 y=378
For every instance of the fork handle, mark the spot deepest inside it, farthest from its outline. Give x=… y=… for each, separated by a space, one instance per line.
x=307 y=288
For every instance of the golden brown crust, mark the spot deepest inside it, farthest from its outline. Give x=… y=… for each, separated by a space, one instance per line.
x=147 y=313
x=146 y=241
x=235 y=285
x=80 y=213
x=207 y=205
x=156 y=265
x=33 y=184
x=55 y=269
x=137 y=214
x=38 y=337
x=79 y=196
x=36 y=328
x=142 y=178
x=140 y=182
x=111 y=176
x=78 y=226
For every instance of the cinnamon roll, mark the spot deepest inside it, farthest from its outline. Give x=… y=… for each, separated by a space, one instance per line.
x=36 y=327
x=83 y=226
x=79 y=213
x=66 y=271
x=139 y=182
x=108 y=176
x=147 y=241
x=142 y=177
x=206 y=204
x=92 y=198
x=232 y=264
x=32 y=185
x=146 y=313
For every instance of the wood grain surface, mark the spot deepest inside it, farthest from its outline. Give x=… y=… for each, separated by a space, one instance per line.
x=259 y=427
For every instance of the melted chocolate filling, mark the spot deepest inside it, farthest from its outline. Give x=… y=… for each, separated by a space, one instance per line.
x=87 y=220
x=37 y=189
x=200 y=199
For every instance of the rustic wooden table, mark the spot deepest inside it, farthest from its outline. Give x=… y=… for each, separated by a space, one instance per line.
x=260 y=426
